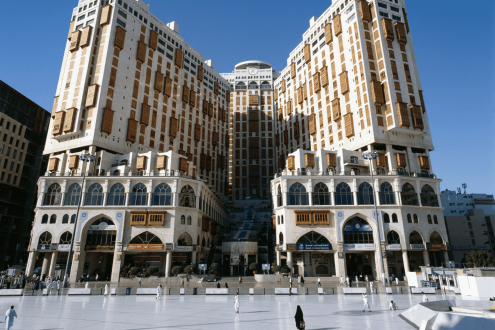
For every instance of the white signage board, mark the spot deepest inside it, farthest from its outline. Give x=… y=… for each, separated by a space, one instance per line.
x=359 y=247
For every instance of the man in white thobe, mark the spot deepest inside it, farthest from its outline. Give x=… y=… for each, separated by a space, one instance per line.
x=372 y=286
x=347 y=280
x=87 y=285
x=159 y=292
x=96 y=278
x=341 y=280
x=48 y=286
x=397 y=281
x=393 y=306
x=9 y=318
x=106 y=290
x=236 y=303
x=424 y=297
x=365 y=301
x=319 y=281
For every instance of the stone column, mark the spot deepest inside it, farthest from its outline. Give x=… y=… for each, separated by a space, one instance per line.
x=289 y=260
x=168 y=262
x=405 y=258
x=118 y=259
x=30 y=263
x=412 y=161
x=51 y=271
x=76 y=268
x=426 y=258
x=339 y=266
x=284 y=193
x=194 y=262
x=46 y=263
x=279 y=255
x=445 y=254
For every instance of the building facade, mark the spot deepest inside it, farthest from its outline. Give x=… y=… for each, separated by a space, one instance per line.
x=458 y=203
x=155 y=114
x=352 y=85
x=23 y=130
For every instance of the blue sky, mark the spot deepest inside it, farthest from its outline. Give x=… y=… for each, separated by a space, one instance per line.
x=453 y=42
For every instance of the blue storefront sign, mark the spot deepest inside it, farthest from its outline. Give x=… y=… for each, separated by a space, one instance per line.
x=313 y=247
x=47 y=247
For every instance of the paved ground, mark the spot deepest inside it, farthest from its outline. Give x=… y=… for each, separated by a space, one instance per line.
x=207 y=312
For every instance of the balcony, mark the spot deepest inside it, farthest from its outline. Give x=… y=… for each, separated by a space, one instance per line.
x=165 y=173
x=266 y=86
x=329 y=172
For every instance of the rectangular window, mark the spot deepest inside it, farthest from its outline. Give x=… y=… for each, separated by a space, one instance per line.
x=161 y=50
x=193 y=73
x=119 y=2
x=140 y=17
x=394 y=9
x=186 y=68
x=119 y=22
x=397 y=18
x=322 y=36
x=382 y=5
x=314 y=43
x=135 y=13
x=314 y=52
x=80 y=18
x=170 y=56
x=91 y=21
x=145 y=21
x=161 y=42
x=80 y=26
x=383 y=14
x=91 y=13
x=130 y=10
x=170 y=48
x=121 y=13
x=125 y=6
x=11 y=166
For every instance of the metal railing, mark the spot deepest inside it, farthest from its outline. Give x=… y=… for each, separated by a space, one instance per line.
x=253 y=86
x=266 y=86
x=165 y=173
x=240 y=87
x=307 y=172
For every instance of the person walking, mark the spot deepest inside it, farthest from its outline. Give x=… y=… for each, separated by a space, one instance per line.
x=106 y=290
x=140 y=281
x=300 y=324
x=366 y=279
x=159 y=292
x=397 y=281
x=290 y=289
x=218 y=285
x=319 y=281
x=424 y=297
x=226 y=285
x=87 y=285
x=372 y=286
x=9 y=318
x=48 y=286
x=366 y=304
x=341 y=280
x=393 y=306
x=236 y=303
x=96 y=279
x=182 y=283
x=347 y=280
x=240 y=280
x=58 y=285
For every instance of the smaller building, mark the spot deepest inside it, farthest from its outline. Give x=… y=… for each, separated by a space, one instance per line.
x=473 y=230
x=457 y=203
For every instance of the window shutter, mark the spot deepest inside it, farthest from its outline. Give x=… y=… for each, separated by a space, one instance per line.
x=119 y=37
x=307 y=53
x=53 y=164
x=309 y=160
x=216 y=88
x=141 y=163
x=401 y=160
x=344 y=83
x=58 y=123
x=141 y=52
x=70 y=117
x=200 y=73
x=74 y=40
x=291 y=164
x=337 y=25
x=388 y=30
x=158 y=81
x=296 y=130
x=364 y=10
x=91 y=96
x=402 y=114
x=210 y=109
x=381 y=161
x=179 y=57
x=377 y=92
x=131 y=130
x=185 y=94
x=86 y=36
x=316 y=82
x=401 y=32
x=161 y=162
x=293 y=70
x=107 y=121
x=153 y=42
x=417 y=119
x=197 y=132
x=73 y=162
x=336 y=109
x=174 y=123
x=283 y=86
x=253 y=100
x=192 y=98
x=183 y=165
x=105 y=15
x=300 y=95
x=312 y=124
x=424 y=163
x=205 y=107
x=145 y=114
x=331 y=160
x=168 y=86
x=349 y=125
x=328 y=33
x=324 y=76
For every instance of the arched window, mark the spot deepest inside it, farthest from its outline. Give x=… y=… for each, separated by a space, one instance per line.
x=386 y=218
x=65 y=218
x=189 y=220
x=428 y=196
x=146 y=238
x=279 y=196
x=394 y=218
x=313 y=237
x=343 y=194
x=45 y=238
x=435 y=238
x=183 y=220
x=415 y=238
x=282 y=219
x=53 y=219
x=409 y=218
x=203 y=242
x=415 y=217
x=73 y=195
x=53 y=195
x=409 y=196
x=73 y=218
x=187 y=198
x=197 y=241
x=435 y=220
x=429 y=219
x=44 y=219
x=162 y=195
x=278 y=220
x=139 y=195
x=102 y=234
x=321 y=196
x=94 y=196
x=387 y=195
x=393 y=237
x=297 y=194
x=116 y=195
x=358 y=231
x=65 y=238
x=365 y=194
x=280 y=239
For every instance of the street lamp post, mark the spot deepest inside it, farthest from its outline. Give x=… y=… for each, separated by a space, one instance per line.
x=85 y=158
x=370 y=156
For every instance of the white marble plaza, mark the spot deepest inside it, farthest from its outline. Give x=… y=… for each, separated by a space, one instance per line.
x=208 y=312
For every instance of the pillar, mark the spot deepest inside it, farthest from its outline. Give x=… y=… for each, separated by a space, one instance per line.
x=339 y=266
x=46 y=263
x=76 y=267
x=168 y=262
x=193 y=260
x=426 y=258
x=30 y=263
x=405 y=258
x=354 y=194
x=118 y=259
x=445 y=255
x=279 y=255
x=289 y=260
x=51 y=271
